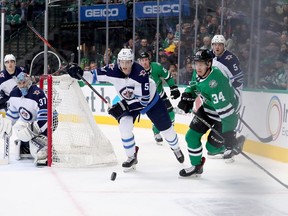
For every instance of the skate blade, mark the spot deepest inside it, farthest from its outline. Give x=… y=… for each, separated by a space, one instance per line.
x=159 y=143
x=41 y=163
x=230 y=160
x=219 y=156
x=129 y=169
x=193 y=176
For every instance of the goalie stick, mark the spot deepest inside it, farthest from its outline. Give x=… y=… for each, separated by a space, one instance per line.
x=244 y=154
x=65 y=61
x=5 y=159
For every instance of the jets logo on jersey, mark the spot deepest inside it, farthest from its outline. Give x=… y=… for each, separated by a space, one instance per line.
x=228 y=57
x=213 y=84
x=127 y=93
x=36 y=92
x=2 y=75
x=25 y=114
x=142 y=73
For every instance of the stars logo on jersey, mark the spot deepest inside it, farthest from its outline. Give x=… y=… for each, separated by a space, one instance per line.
x=213 y=83
x=142 y=73
x=36 y=92
x=228 y=57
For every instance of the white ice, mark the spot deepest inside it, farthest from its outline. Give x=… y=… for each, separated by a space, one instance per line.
x=237 y=189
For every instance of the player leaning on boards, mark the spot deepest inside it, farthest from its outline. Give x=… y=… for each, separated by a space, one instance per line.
x=218 y=109
x=27 y=111
x=139 y=96
x=157 y=72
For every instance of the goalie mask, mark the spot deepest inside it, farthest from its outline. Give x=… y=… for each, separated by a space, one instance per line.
x=24 y=82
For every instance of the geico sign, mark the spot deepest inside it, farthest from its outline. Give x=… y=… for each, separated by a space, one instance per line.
x=101 y=12
x=153 y=9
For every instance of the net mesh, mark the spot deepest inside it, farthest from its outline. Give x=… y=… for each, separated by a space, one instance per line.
x=77 y=140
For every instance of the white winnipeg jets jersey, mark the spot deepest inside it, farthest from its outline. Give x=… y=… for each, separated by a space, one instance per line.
x=137 y=89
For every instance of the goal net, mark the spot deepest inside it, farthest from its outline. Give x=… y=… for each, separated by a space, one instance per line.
x=77 y=141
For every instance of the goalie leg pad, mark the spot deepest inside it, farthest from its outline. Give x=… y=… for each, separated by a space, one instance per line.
x=22 y=150
x=38 y=147
x=5 y=126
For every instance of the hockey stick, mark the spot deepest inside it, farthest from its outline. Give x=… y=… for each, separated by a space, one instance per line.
x=263 y=169
x=209 y=126
x=64 y=60
x=5 y=159
x=245 y=155
x=262 y=139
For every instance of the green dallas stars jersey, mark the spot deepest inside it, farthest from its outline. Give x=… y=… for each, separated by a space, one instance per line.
x=158 y=72
x=217 y=94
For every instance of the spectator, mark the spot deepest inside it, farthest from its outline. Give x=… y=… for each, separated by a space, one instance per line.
x=185 y=74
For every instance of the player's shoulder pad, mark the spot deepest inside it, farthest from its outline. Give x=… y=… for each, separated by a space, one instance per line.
x=36 y=91
x=138 y=73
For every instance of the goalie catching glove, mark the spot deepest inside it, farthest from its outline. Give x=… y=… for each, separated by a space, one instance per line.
x=5 y=126
x=26 y=131
x=73 y=70
x=186 y=102
x=174 y=92
x=118 y=109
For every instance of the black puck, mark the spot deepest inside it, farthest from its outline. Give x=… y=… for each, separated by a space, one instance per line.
x=113 y=176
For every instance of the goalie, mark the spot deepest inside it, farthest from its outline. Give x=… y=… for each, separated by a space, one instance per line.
x=27 y=112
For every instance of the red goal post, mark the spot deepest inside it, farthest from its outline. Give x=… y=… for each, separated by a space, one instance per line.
x=74 y=140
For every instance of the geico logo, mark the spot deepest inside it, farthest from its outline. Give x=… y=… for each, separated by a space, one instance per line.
x=153 y=9
x=101 y=12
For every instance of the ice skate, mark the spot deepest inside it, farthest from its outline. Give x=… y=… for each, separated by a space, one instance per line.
x=218 y=155
x=158 y=138
x=236 y=149
x=179 y=155
x=193 y=170
x=130 y=163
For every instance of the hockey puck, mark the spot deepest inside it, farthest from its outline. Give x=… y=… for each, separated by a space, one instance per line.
x=113 y=176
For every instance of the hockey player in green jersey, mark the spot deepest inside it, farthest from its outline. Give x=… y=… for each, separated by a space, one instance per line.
x=218 y=109
x=157 y=72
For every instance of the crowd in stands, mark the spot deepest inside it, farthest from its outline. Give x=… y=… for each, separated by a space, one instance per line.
x=19 y=12
x=272 y=66
x=271 y=44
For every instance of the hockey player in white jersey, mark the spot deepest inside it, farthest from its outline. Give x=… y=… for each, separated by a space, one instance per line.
x=7 y=83
x=27 y=112
x=138 y=96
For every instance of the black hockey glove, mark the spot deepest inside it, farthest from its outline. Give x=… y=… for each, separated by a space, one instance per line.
x=73 y=70
x=174 y=92
x=3 y=100
x=118 y=109
x=186 y=102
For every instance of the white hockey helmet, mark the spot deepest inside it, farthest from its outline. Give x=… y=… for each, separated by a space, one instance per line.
x=9 y=57
x=125 y=54
x=218 y=39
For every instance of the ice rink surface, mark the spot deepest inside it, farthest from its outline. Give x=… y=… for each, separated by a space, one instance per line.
x=237 y=189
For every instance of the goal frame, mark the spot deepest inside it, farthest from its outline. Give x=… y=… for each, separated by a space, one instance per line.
x=49 y=114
